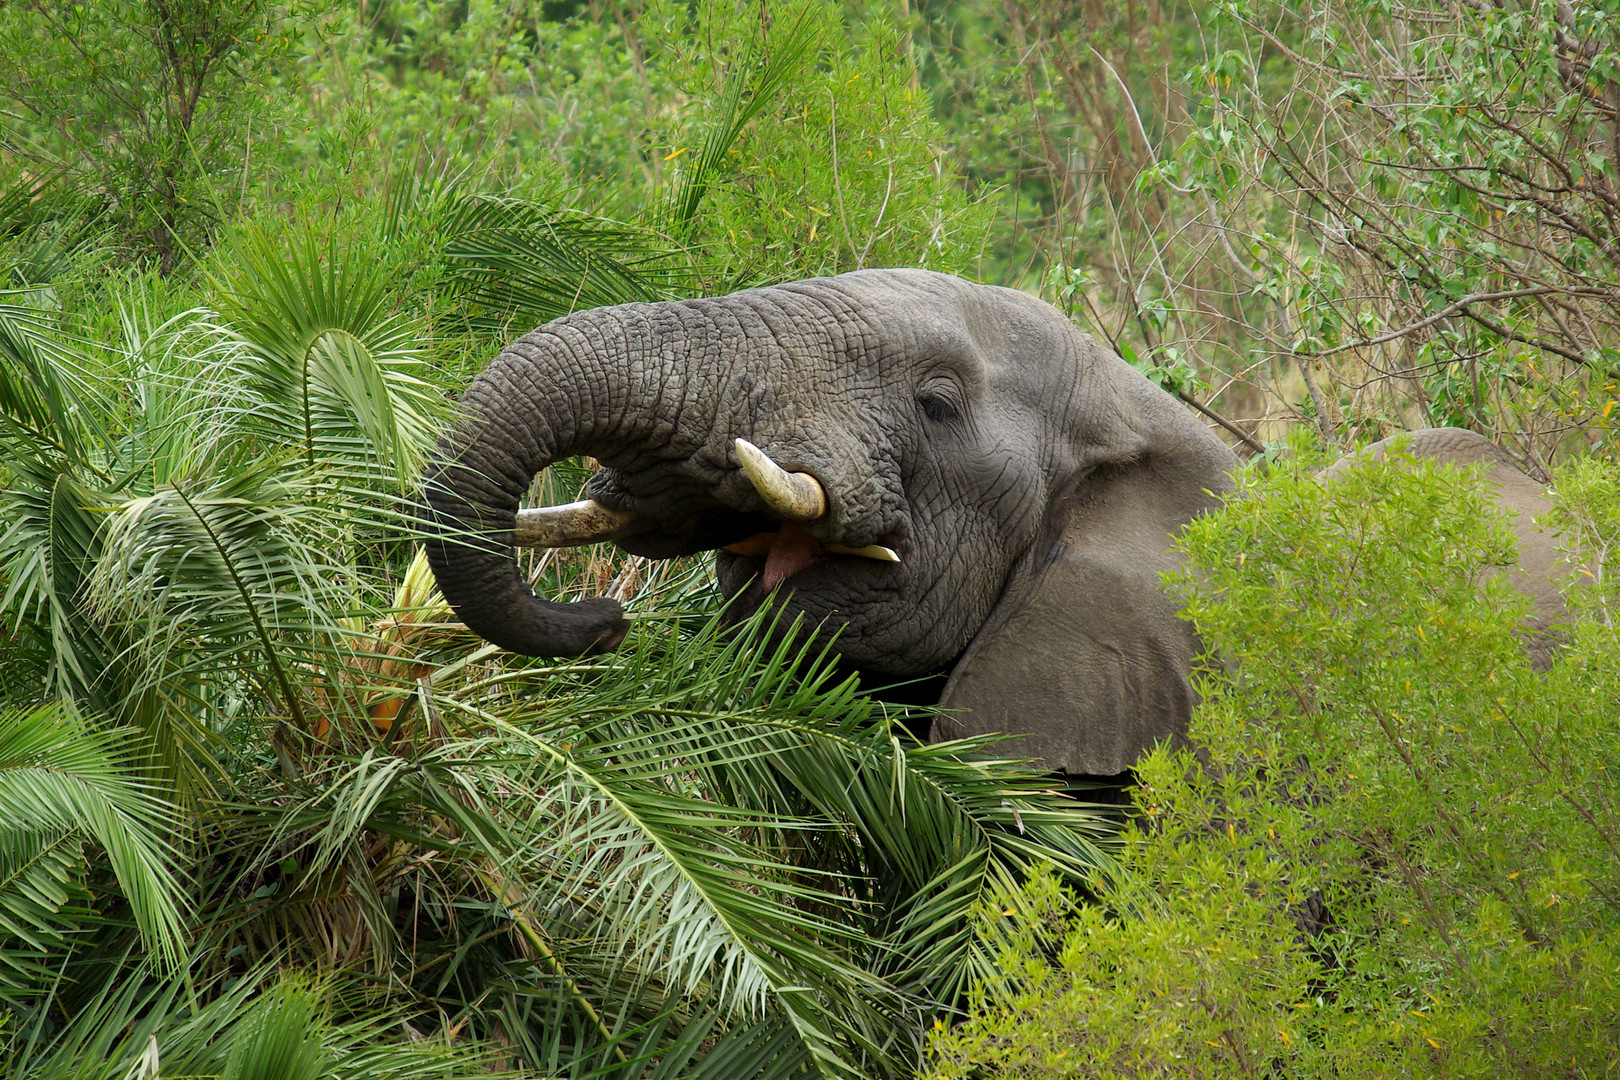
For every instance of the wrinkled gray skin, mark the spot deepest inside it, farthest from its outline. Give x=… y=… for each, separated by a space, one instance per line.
x=1029 y=480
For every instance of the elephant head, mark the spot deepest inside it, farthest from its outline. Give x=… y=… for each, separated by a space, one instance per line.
x=947 y=476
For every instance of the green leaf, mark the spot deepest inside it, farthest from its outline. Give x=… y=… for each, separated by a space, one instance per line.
x=281 y=1036
x=60 y=776
x=523 y=263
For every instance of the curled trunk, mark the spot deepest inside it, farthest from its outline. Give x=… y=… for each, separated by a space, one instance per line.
x=519 y=416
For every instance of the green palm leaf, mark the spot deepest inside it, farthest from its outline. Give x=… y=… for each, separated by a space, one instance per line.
x=46 y=551
x=63 y=444
x=229 y=576
x=184 y=375
x=331 y=367
x=41 y=383
x=135 y=1026
x=59 y=776
x=41 y=903
x=522 y=264
x=680 y=901
x=280 y=1037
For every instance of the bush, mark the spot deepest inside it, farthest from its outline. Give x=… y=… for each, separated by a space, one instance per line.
x=151 y=109
x=1394 y=849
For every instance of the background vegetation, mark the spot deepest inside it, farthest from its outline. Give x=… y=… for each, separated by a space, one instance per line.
x=267 y=812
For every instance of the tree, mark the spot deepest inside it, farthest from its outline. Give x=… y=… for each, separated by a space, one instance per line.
x=1425 y=195
x=149 y=105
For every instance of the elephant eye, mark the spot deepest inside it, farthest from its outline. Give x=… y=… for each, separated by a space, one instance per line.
x=937 y=408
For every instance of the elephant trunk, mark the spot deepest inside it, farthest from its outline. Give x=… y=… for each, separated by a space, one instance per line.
x=575 y=386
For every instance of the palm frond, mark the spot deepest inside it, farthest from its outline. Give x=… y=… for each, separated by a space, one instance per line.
x=229 y=574
x=336 y=371
x=183 y=375
x=60 y=776
x=135 y=1025
x=280 y=1037
x=913 y=838
x=47 y=549
x=63 y=476
x=42 y=901
x=522 y=264
x=42 y=385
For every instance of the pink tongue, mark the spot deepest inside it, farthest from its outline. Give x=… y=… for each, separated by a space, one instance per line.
x=794 y=550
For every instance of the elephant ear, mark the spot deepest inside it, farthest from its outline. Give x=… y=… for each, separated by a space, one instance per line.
x=1083 y=658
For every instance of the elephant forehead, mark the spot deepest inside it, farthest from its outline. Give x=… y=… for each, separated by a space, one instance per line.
x=1018 y=351
x=893 y=316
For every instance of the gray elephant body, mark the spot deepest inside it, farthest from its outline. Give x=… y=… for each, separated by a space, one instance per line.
x=1028 y=480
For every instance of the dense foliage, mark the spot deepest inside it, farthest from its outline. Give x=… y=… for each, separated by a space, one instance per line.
x=266 y=811
x=1392 y=850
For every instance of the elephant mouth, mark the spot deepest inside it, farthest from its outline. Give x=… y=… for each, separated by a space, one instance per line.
x=782 y=553
x=770 y=548
x=767 y=548
x=785 y=552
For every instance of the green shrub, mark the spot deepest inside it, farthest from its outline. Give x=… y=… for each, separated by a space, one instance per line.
x=845 y=170
x=149 y=109
x=1394 y=849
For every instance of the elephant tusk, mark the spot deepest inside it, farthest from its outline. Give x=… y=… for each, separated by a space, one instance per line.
x=870 y=551
x=796 y=496
x=570 y=525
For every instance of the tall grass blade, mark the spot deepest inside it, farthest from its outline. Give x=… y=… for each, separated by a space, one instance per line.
x=751 y=85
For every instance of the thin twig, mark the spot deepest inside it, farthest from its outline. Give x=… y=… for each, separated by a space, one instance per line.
x=1248 y=440
x=888 y=190
x=1136 y=115
x=1450 y=310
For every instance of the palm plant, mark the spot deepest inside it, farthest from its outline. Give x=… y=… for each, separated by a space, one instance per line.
x=704 y=833
x=132 y=1028
x=65 y=784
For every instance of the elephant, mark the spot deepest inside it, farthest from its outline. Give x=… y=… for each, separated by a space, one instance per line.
x=944 y=478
